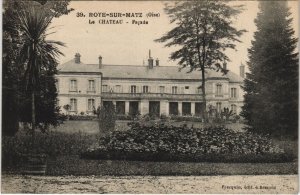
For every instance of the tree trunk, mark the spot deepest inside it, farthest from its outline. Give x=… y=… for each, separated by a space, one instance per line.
x=33 y=116
x=203 y=94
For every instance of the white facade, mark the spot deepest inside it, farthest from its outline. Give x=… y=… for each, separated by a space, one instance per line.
x=144 y=89
x=84 y=92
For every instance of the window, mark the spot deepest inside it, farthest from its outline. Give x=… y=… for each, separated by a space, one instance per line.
x=174 y=90
x=91 y=85
x=233 y=93
x=91 y=104
x=233 y=108
x=219 y=89
x=145 y=89
x=133 y=89
x=73 y=103
x=198 y=90
x=57 y=85
x=186 y=87
x=73 y=85
x=219 y=107
x=118 y=88
x=104 y=88
x=161 y=89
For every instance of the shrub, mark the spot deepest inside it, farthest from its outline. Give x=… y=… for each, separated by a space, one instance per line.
x=186 y=118
x=52 y=143
x=160 y=142
x=107 y=117
x=82 y=117
x=124 y=117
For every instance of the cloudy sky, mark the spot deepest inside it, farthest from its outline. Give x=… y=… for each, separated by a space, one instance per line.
x=128 y=44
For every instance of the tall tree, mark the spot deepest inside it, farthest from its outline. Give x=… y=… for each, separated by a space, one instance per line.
x=37 y=54
x=203 y=32
x=271 y=86
x=15 y=98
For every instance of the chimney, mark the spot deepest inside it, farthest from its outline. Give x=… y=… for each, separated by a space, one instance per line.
x=100 y=62
x=150 y=60
x=77 y=58
x=225 y=66
x=242 y=70
x=157 y=62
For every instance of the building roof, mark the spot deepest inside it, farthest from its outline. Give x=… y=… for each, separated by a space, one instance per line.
x=143 y=72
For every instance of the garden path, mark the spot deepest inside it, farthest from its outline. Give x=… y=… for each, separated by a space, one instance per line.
x=150 y=184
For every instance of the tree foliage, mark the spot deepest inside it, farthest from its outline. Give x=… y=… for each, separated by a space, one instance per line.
x=271 y=86
x=107 y=118
x=203 y=31
x=14 y=66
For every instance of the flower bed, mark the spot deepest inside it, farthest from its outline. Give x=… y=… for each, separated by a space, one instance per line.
x=168 y=143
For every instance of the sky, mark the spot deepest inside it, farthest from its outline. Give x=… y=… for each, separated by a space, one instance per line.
x=129 y=44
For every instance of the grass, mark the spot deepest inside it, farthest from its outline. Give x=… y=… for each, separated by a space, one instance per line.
x=92 y=127
x=87 y=127
x=65 y=143
x=65 y=165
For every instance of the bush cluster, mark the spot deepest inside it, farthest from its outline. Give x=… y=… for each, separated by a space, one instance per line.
x=186 y=118
x=92 y=117
x=124 y=117
x=82 y=117
x=160 y=142
x=53 y=144
x=218 y=119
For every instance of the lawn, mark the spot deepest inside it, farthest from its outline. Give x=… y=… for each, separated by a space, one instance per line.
x=64 y=165
x=92 y=127
x=88 y=127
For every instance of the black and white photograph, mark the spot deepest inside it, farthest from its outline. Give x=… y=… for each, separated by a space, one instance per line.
x=150 y=97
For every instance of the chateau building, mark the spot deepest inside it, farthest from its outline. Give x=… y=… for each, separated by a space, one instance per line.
x=144 y=89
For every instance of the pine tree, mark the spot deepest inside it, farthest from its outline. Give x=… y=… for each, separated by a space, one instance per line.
x=271 y=86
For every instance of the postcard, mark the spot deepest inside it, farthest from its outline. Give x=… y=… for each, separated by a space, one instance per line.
x=150 y=97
